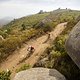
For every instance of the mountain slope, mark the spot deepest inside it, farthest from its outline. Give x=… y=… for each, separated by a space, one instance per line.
x=29 y=21
x=14 y=59
x=33 y=27
x=21 y=30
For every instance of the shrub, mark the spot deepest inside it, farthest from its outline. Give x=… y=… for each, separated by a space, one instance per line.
x=4 y=75
x=23 y=27
x=60 y=44
x=47 y=27
x=23 y=67
x=55 y=54
x=8 y=45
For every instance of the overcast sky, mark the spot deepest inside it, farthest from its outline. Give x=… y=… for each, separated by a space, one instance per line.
x=19 y=8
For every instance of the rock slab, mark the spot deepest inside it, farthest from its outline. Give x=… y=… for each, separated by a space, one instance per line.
x=73 y=44
x=39 y=74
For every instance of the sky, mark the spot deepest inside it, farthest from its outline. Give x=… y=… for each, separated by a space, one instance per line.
x=20 y=8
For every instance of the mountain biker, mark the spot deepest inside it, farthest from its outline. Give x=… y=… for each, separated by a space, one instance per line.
x=30 y=49
x=48 y=37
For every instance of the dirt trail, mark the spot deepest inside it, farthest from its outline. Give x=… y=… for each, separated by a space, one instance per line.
x=12 y=61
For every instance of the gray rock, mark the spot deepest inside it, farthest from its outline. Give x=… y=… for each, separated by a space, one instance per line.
x=39 y=74
x=73 y=44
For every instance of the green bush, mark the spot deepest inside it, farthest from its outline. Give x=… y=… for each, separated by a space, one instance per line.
x=55 y=54
x=48 y=27
x=5 y=75
x=60 y=44
x=23 y=67
x=8 y=45
x=23 y=27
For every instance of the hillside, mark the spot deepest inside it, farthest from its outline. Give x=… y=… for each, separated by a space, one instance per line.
x=19 y=58
x=20 y=33
x=53 y=17
x=28 y=21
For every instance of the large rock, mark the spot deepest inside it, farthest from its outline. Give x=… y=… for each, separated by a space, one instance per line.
x=39 y=74
x=73 y=44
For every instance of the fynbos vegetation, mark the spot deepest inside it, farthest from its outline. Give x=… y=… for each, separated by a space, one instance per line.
x=18 y=31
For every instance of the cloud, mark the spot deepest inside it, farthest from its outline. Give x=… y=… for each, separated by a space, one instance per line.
x=27 y=1
x=4 y=1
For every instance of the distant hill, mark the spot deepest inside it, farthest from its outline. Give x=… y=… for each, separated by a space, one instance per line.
x=5 y=20
x=59 y=15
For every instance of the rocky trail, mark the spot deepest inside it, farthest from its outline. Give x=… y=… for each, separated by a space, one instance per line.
x=12 y=61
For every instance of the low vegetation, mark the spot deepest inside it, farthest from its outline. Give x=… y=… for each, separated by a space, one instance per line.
x=18 y=31
x=5 y=75
x=23 y=67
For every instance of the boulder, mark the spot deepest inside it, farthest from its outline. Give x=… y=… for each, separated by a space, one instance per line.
x=73 y=44
x=39 y=74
